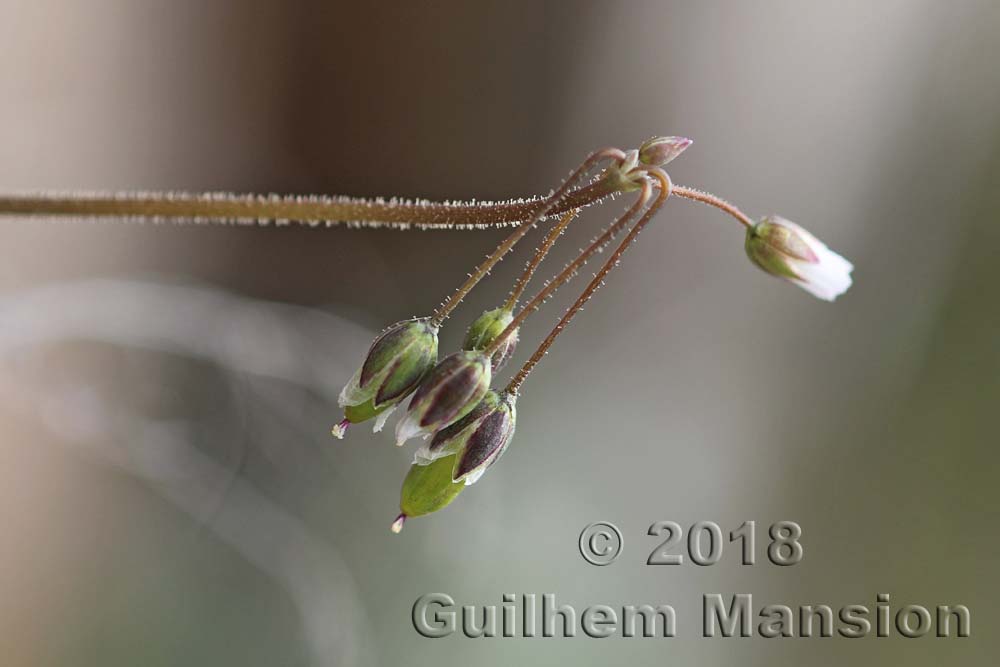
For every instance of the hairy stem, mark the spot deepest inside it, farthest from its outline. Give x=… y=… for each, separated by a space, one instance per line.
x=712 y=200
x=613 y=260
x=536 y=259
x=570 y=270
x=313 y=210
x=444 y=310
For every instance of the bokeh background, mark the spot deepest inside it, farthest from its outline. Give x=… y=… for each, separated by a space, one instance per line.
x=169 y=492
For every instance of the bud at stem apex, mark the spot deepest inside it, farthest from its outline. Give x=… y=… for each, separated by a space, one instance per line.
x=658 y=151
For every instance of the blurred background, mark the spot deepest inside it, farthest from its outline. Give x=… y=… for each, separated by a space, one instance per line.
x=169 y=491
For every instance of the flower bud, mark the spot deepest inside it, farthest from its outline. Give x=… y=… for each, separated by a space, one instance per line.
x=426 y=489
x=658 y=151
x=784 y=249
x=484 y=331
x=396 y=363
x=478 y=439
x=449 y=392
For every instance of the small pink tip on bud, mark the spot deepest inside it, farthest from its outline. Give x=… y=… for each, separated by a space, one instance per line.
x=658 y=151
x=397 y=525
x=340 y=429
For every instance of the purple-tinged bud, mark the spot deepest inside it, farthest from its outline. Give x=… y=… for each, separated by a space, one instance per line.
x=484 y=331
x=784 y=249
x=658 y=151
x=395 y=365
x=449 y=392
x=477 y=439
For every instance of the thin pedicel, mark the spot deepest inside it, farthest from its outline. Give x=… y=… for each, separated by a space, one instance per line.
x=626 y=175
x=665 y=191
x=550 y=240
x=547 y=205
x=573 y=267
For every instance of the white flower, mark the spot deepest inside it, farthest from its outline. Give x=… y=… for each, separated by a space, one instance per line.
x=784 y=249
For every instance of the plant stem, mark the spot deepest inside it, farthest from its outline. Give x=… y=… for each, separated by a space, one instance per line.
x=313 y=210
x=444 y=310
x=712 y=200
x=570 y=270
x=613 y=260
x=547 y=243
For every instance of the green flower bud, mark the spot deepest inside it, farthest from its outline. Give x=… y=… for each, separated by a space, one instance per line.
x=396 y=363
x=484 y=331
x=449 y=392
x=478 y=439
x=426 y=489
x=784 y=249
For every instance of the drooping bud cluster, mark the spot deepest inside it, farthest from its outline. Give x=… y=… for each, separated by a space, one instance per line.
x=393 y=368
x=784 y=249
x=468 y=426
x=484 y=331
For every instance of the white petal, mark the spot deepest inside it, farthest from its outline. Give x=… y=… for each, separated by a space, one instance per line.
x=351 y=394
x=406 y=428
x=826 y=279
x=382 y=417
x=425 y=455
x=473 y=476
x=829 y=257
